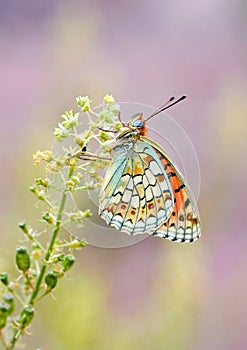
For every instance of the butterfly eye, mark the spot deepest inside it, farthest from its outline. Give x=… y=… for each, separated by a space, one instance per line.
x=138 y=123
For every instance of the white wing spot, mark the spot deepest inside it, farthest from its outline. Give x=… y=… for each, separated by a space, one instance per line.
x=150 y=177
x=154 y=167
x=137 y=179
x=145 y=182
x=149 y=194
x=135 y=202
x=157 y=191
x=130 y=185
x=151 y=221
x=126 y=196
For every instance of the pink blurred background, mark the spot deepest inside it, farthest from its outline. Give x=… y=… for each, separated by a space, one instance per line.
x=156 y=294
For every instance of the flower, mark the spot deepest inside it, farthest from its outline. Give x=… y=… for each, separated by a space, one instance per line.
x=61 y=132
x=40 y=156
x=84 y=103
x=109 y=99
x=70 y=119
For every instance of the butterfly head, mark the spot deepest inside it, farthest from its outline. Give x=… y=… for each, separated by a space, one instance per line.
x=136 y=127
x=138 y=123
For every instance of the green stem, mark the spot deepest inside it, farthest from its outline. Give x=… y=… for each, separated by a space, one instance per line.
x=35 y=292
x=53 y=239
x=50 y=248
x=16 y=336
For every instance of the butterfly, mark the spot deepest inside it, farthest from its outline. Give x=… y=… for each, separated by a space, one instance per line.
x=143 y=190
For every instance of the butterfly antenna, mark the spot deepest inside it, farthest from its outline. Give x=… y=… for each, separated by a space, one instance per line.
x=166 y=105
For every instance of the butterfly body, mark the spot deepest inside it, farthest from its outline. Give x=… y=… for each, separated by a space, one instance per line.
x=144 y=192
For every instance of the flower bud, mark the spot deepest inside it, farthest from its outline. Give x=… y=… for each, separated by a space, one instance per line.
x=79 y=141
x=23 y=226
x=68 y=262
x=84 y=103
x=61 y=132
x=118 y=126
x=51 y=279
x=48 y=217
x=22 y=258
x=26 y=316
x=70 y=185
x=41 y=195
x=58 y=257
x=8 y=298
x=70 y=119
x=72 y=162
x=43 y=182
x=4 y=312
x=4 y=278
x=40 y=156
x=87 y=213
x=37 y=193
x=109 y=99
x=105 y=135
x=78 y=244
x=37 y=253
x=76 y=178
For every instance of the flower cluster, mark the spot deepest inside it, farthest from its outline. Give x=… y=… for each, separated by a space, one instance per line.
x=41 y=266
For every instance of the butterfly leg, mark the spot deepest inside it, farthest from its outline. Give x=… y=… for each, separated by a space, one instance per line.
x=91 y=156
x=84 y=155
x=113 y=131
x=120 y=119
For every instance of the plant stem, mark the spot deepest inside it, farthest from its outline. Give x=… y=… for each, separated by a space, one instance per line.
x=35 y=292
x=53 y=239
x=49 y=250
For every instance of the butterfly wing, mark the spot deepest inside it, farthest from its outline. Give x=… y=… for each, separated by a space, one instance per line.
x=183 y=224
x=137 y=195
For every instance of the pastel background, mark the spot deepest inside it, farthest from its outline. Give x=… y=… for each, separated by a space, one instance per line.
x=155 y=294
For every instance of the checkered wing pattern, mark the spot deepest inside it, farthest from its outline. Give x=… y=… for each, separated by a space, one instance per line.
x=137 y=195
x=183 y=224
